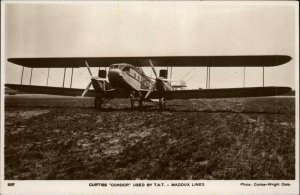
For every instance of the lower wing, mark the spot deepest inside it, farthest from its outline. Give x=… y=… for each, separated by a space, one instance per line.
x=175 y=94
x=223 y=93
x=33 y=89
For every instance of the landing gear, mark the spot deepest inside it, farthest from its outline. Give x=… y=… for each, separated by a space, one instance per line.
x=140 y=104
x=131 y=102
x=98 y=102
x=162 y=104
x=136 y=96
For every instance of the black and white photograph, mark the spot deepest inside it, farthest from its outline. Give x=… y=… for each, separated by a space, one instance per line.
x=185 y=95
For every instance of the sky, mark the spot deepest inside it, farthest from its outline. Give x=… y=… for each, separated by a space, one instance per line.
x=100 y=29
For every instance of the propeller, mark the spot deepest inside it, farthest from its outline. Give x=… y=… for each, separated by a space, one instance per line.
x=157 y=80
x=88 y=67
x=151 y=89
x=153 y=69
x=92 y=78
x=90 y=83
x=86 y=89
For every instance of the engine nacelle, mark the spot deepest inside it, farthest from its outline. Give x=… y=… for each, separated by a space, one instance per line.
x=102 y=74
x=163 y=73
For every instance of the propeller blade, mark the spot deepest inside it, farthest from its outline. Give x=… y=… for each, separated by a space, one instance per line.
x=88 y=67
x=87 y=88
x=153 y=69
x=98 y=79
x=152 y=87
x=151 y=78
x=169 y=80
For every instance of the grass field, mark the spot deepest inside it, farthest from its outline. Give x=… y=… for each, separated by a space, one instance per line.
x=64 y=138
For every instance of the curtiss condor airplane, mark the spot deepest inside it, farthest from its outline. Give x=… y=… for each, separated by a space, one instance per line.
x=126 y=78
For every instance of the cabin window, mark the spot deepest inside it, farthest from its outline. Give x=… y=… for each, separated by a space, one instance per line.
x=126 y=68
x=114 y=66
x=134 y=75
x=121 y=67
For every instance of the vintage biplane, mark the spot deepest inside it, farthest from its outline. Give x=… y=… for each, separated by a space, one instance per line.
x=126 y=79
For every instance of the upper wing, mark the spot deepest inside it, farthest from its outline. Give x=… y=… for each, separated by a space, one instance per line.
x=223 y=93
x=159 y=61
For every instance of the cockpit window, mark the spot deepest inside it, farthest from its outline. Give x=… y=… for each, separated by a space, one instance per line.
x=121 y=67
x=113 y=66
x=140 y=69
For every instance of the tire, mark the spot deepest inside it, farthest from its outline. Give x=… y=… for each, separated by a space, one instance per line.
x=140 y=105
x=98 y=103
x=162 y=104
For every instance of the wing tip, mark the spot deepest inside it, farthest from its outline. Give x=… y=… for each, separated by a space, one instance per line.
x=10 y=59
x=284 y=59
x=14 y=60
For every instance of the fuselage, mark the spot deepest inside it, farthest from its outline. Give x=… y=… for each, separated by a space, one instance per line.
x=126 y=77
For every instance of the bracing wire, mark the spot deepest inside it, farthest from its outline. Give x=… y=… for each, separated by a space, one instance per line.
x=197 y=71
x=187 y=73
x=226 y=78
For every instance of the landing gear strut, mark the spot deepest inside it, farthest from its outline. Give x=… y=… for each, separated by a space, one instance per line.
x=136 y=96
x=162 y=104
x=99 y=101
x=131 y=101
x=140 y=104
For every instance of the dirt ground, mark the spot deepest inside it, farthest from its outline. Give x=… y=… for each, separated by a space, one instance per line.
x=64 y=138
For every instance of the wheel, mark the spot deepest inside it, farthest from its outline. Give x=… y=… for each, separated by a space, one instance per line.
x=140 y=104
x=162 y=104
x=131 y=98
x=98 y=102
x=131 y=103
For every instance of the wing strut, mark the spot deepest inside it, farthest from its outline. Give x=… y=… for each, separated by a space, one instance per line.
x=30 y=76
x=48 y=75
x=244 y=81
x=167 y=72
x=208 y=77
x=64 y=77
x=22 y=75
x=71 y=78
x=263 y=76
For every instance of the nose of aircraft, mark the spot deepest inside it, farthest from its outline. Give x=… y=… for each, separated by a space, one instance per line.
x=115 y=75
